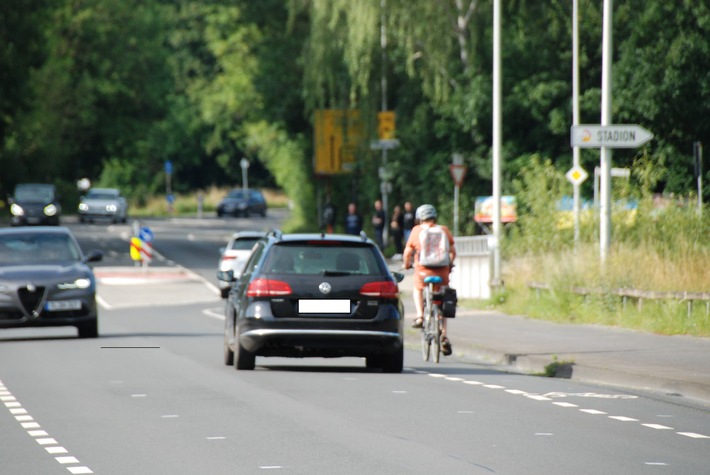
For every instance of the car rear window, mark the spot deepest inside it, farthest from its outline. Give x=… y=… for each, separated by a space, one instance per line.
x=317 y=259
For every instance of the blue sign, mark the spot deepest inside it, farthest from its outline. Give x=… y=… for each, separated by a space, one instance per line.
x=168 y=167
x=170 y=197
x=145 y=234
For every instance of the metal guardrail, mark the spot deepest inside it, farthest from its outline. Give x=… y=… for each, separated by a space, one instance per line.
x=639 y=295
x=472 y=246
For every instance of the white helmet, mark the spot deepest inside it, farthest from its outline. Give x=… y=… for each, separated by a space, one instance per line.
x=425 y=212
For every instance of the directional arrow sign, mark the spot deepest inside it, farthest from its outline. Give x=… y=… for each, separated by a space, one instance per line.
x=612 y=136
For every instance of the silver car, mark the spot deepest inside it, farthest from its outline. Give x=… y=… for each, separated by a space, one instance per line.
x=235 y=255
x=103 y=203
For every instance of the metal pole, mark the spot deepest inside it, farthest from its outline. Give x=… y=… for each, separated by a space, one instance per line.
x=385 y=181
x=496 y=149
x=575 y=110
x=606 y=152
x=456 y=210
x=699 y=170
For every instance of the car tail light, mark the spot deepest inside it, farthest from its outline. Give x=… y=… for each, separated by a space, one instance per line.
x=268 y=288
x=383 y=289
x=228 y=258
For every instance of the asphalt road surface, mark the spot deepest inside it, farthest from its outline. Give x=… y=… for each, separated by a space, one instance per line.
x=152 y=395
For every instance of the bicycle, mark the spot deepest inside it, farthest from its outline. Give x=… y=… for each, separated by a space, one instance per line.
x=431 y=327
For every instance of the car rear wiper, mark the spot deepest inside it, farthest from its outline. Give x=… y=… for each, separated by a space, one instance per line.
x=336 y=272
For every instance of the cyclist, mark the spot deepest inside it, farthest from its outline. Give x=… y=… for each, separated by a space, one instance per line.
x=426 y=215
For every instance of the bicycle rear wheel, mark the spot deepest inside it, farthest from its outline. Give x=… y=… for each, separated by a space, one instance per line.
x=436 y=332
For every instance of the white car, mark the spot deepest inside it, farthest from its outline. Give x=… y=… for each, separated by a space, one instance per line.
x=235 y=255
x=103 y=203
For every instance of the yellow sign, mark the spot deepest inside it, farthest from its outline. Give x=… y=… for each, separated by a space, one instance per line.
x=386 y=125
x=136 y=245
x=337 y=136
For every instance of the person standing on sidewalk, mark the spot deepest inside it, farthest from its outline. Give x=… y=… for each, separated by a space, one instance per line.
x=407 y=220
x=353 y=220
x=378 y=223
x=397 y=231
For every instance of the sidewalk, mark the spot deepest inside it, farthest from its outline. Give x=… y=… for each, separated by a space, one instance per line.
x=671 y=365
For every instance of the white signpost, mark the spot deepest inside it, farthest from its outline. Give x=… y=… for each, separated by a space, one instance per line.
x=612 y=136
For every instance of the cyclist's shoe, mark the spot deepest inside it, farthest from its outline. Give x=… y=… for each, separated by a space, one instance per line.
x=445 y=346
x=418 y=322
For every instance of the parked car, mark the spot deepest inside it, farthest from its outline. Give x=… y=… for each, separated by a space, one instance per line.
x=314 y=295
x=242 y=202
x=103 y=203
x=35 y=203
x=45 y=280
x=235 y=255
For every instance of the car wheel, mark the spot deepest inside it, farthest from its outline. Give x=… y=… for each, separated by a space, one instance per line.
x=394 y=362
x=81 y=219
x=373 y=362
x=89 y=329
x=228 y=353
x=244 y=359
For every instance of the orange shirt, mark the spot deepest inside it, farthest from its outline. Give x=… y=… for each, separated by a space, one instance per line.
x=413 y=248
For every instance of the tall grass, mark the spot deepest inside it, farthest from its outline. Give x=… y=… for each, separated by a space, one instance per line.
x=654 y=249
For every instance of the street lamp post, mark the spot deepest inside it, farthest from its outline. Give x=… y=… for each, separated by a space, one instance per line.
x=244 y=163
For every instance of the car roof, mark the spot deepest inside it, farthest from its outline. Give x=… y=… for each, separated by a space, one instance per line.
x=297 y=237
x=36 y=230
x=34 y=185
x=105 y=190
x=248 y=235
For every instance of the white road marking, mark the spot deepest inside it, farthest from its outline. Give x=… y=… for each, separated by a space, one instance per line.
x=169 y=416
x=454 y=379
x=657 y=426
x=56 y=450
x=544 y=433
x=216 y=438
x=399 y=392
x=139 y=395
x=694 y=435
x=473 y=383
x=663 y=464
x=41 y=436
x=623 y=419
x=270 y=467
x=515 y=391
x=212 y=314
x=537 y=397
x=7 y=398
x=493 y=386
x=592 y=411
x=565 y=404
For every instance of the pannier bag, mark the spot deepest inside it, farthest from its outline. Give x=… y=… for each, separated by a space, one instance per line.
x=448 y=303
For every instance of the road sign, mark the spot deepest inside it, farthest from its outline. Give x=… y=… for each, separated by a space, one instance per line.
x=145 y=234
x=576 y=175
x=386 y=125
x=168 y=167
x=612 y=136
x=458 y=172
x=389 y=144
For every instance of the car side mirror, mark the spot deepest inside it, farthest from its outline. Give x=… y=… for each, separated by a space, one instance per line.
x=94 y=255
x=226 y=275
x=398 y=276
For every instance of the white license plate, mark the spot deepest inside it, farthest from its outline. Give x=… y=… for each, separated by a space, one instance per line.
x=56 y=305
x=324 y=306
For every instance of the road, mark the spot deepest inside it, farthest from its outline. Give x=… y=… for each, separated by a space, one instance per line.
x=152 y=396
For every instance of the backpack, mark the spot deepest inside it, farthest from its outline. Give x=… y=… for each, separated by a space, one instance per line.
x=434 y=247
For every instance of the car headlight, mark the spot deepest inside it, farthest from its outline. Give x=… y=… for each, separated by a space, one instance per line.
x=111 y=208
x=50 y=210
x=16 y=210
x=80 y=283
x=83 y=207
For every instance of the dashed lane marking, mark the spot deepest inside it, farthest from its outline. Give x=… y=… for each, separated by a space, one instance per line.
x=41 y=436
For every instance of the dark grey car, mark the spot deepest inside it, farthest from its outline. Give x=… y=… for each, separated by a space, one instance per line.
x=242 y=202
x=305 y=295
x=36 y=204
x=45 y=280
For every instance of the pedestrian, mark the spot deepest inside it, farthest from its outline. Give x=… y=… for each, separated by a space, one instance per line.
x=353 y=220
x=378 y=223
x=329 y=216
x=397 y=231
x=408 y=220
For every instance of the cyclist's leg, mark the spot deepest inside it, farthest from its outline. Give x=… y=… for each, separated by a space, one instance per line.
x=418 y=295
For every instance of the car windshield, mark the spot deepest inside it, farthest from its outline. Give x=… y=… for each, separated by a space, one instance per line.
x=101 y=195
x=243 y=244
x=320 y=259
x=29 y=248
x=34 y=193
x=238 y=194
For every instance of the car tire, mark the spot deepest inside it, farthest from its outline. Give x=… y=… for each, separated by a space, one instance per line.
x=244 y=360
x=394 y=362
x=228 y=353
x=89 y=329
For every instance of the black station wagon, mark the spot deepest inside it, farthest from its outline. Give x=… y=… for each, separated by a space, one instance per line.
x=315 y=295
